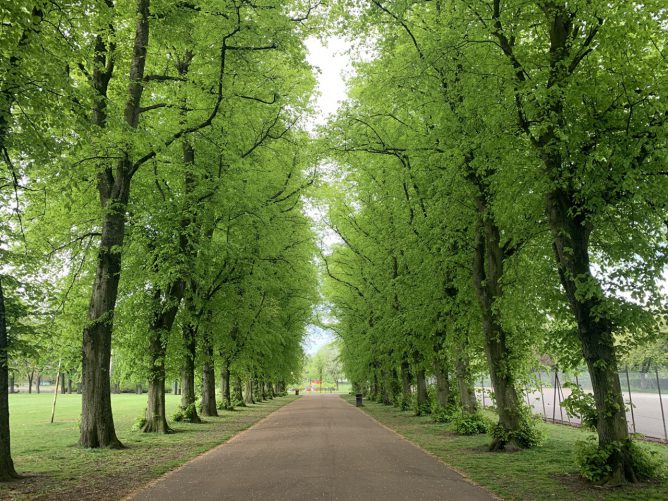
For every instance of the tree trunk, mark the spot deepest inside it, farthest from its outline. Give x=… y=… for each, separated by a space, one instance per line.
x=238 y=394
x=156 y=420
x=385 y=392
x=422 y=396
x=270 y=390
x=31 y=375
x=63 y=388
x=39 y=383
x=69 y=384
x=248 y=394
x=188 y=370
x=406 y=385
x=208 y=407
x=7 y=470
x=465 y=387
x=442 y=384
x=487 y=272
x=225 y=393
x=11 y=382
x=570 y=232
x=97 y=423
x=166 y=305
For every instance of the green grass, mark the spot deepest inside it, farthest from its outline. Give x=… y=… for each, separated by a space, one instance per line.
x=54 y=466
x=547 y=472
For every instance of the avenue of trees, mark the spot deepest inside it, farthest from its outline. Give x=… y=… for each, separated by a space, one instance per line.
x=153 y=173
x=497 y=180
x=502 y=199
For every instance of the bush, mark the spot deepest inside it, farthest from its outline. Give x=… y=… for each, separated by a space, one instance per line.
x=440 y=414
x=527 y=435
x=472 y=424
x=582 y=405
x=223 y=406
x=139 y=423
x=185 y=414
x=594 y=461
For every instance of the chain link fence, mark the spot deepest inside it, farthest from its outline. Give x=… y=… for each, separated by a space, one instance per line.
x=645 y=396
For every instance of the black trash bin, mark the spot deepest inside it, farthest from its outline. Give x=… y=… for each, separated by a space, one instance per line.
x=297 y=391
x=358 y=400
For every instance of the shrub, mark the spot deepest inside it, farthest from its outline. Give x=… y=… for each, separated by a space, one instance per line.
x=440 y=414
x=527 y=435
x=139 y=422
x=582 y=405
x=594 y=461
x=223 y=406
x=471 y=424
x=185 y=414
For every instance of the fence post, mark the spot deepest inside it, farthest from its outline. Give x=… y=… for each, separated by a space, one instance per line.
x=561 y=399
x=663 y=416
x=542 y=395
x=557 y=389
x=628 y=385
x=554 y=398
x=482 y=386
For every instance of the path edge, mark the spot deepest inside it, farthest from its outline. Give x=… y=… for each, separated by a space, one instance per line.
x=134 y=492
x=465 y=477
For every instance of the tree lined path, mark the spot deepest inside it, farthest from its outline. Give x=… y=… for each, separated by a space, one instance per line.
x=317 y=448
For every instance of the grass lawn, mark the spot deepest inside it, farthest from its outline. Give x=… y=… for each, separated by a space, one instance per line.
x=55 y=468
x=547 y=472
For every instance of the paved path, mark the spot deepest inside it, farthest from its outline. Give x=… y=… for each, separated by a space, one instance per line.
x=316 y=448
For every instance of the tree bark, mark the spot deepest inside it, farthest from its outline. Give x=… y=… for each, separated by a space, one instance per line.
x=487 y=272
x=238 y=395
x=467 y=399
x=165 y=306
x=39 y=383
x=406 y=385
x=188 y=369
x=7 y=470
x=385 y=392
x=225 y=393
x=248 y=393
x=208 y=406
x=422 y=396
x=442 y=384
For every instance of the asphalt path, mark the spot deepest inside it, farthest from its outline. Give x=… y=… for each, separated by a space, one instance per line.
x=317 y=448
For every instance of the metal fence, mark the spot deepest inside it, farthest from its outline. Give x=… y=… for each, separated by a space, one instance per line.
x=645 y=395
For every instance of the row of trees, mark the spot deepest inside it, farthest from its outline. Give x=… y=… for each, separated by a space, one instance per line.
x=152 y=199
x=502 y=199
x=325 y=366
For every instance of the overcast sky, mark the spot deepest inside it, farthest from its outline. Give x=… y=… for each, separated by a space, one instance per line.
x=332 y=65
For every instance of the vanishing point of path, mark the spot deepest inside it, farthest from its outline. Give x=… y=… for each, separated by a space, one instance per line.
x=316 y=448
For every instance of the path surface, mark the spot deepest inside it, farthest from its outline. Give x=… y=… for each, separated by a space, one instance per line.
x=316 y=448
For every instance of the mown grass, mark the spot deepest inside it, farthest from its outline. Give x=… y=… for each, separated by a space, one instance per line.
x=54 y=467
x=547 y=472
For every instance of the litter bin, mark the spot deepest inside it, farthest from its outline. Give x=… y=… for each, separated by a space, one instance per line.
x=297 y=391
x=358 y=400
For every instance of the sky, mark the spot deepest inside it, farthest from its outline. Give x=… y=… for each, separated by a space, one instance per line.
x=332 y=64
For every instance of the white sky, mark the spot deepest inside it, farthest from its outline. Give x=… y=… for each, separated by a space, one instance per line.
x=332 y=65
